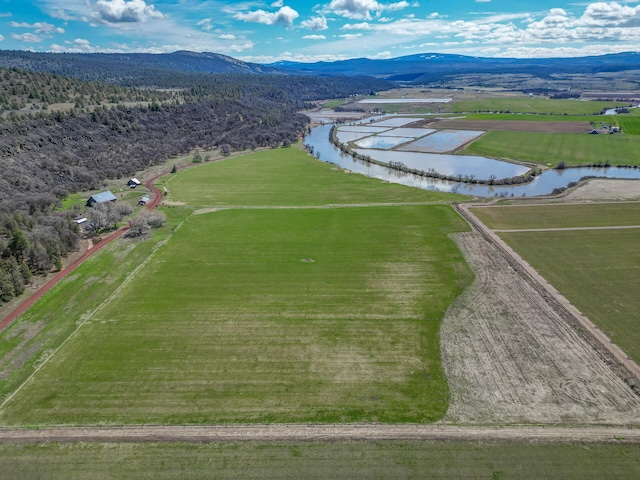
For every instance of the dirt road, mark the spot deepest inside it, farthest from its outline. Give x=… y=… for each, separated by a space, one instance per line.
x=320 y=433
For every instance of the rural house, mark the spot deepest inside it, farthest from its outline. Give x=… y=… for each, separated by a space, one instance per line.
x=133 y=183
x=103 y=197
x=144 y=200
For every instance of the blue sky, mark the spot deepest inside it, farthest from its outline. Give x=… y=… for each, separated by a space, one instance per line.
x=267 y=31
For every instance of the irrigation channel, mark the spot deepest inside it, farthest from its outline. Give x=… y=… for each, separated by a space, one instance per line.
x=543 y=184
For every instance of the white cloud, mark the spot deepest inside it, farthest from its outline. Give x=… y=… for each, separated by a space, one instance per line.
x=278 y=4
x=559 y=52
x=285 y=16
x=350 y=36
x=227 y=36
x=314 y=37
x=357 y=26
x=39 y=27
x=315 y=24
x=28 y=37
x=611 y=14
x=361 y=9
x=122 y=11
x=62 y=15
x=382 y=55
x=483 y=1
x=241 y=47
x=1 y=38
x=79 y=45
x=206 y=24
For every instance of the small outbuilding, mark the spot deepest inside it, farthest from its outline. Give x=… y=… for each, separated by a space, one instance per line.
x=103 y=197
x=144 y=200
x=133 y=183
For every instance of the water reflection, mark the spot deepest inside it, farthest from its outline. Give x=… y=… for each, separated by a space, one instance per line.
x=544 y=184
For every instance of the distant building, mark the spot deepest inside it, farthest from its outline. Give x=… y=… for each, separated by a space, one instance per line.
x=103 y=197
x=144 y=200
x=133 y=183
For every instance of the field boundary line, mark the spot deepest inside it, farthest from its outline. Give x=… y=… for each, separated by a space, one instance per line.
x=571 y=311
x=321 y=433
x=205 y=210
x=84 y=320
x=566 y=229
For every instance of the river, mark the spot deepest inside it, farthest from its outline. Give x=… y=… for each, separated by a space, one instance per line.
x=544 y=184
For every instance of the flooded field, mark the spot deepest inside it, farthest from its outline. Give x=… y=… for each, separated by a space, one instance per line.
x=382 y=141
x=396 y=121
x=443 y=141
x=346 y=137
x=409 y=132
x=363 y=128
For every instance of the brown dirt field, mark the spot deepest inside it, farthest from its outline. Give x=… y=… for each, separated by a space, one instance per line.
x=605 y=189
x=510 y=357
x=510 y=125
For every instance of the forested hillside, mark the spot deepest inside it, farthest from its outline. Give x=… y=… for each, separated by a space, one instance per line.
x=128 y=68
x=43 y=158
x=37 y=94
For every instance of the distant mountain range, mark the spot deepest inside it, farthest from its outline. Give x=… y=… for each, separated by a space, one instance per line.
x=139 y=68
x=433 y=66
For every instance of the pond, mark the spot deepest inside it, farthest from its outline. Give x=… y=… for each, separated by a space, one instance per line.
x=544 y=184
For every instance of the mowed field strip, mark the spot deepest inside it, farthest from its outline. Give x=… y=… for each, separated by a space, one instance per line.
x=269 y=315
x=597 y=269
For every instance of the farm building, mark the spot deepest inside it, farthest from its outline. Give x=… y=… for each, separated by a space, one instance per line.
x=133 y=183
x=102 y=197
x=144 y=200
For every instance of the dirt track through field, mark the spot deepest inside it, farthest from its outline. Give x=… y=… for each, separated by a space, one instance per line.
x=320 y=433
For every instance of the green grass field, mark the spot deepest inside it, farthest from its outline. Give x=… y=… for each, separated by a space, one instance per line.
x=597 y=270
x=289 y=177
x=559 y=216
x=229 y=323
x=265 y=315
x=47 y=324
x=630 y=124
x=544 y=148
x=533 y=105
x=359 y=460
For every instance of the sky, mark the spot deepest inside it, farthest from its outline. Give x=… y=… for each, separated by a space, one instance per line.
x=299 y=30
